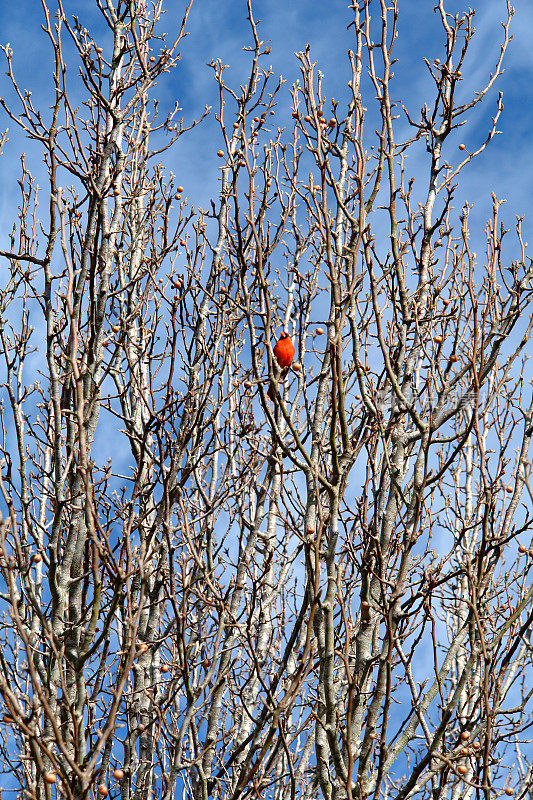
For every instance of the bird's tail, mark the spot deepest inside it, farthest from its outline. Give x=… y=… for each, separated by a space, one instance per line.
x=282 y=374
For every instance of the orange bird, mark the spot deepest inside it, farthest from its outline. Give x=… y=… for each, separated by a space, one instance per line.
x=284 y=353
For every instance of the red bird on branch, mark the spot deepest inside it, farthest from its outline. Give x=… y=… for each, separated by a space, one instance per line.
x=284 y=354
x=284 y=351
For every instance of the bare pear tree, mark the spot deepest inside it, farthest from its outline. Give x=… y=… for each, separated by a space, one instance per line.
x=288 y=584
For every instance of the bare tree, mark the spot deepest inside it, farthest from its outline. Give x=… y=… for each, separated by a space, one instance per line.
x=288 y=583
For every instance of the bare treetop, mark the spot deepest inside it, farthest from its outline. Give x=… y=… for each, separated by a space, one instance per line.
x=265 y=471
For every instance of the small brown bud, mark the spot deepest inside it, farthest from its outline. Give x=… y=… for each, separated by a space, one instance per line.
x=165 y=668
x=465 y=736
x=247 y=384
x=36 y=558
x=220 y=153
x=462 y=147
x=464 y=751
x=461 y=769
x=522 y=548
x=509 y=489
x=142 y=647
x=320 y=331
x=49 y=777
x=437 y=339
x=297 y=367
x=332 y=123
x=295 y=115
x=180 y=189
x=307 y=118
x=103 y=791
x=509 y=791
x=141 y=727
x=118 y=774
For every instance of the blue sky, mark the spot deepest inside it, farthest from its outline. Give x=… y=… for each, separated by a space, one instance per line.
x=219 y=29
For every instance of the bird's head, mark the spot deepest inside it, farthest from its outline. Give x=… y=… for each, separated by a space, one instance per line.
x=284 y=335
